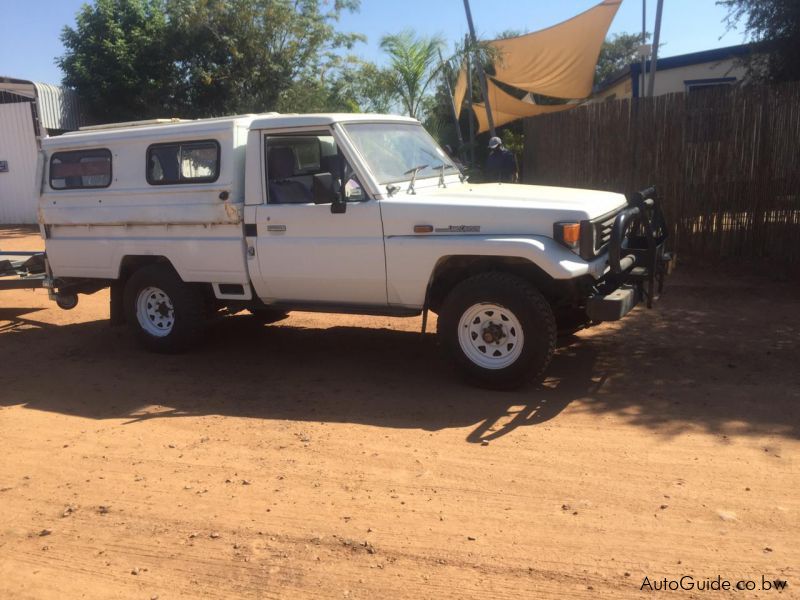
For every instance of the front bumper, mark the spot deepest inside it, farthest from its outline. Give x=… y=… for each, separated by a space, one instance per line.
x=612 y=306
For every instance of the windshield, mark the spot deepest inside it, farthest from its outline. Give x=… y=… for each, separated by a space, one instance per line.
x=394 y=151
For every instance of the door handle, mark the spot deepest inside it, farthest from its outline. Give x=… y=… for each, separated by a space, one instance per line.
x=276 y=228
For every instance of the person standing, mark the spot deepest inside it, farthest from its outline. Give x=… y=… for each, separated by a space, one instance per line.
x=501 y=166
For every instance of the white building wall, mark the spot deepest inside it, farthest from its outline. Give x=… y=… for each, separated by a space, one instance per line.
x=672 y=80
x=18 y=186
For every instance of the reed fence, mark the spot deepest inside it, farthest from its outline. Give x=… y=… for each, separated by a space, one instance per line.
x=726 y=163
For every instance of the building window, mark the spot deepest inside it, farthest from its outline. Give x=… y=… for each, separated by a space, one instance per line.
x=80 y=169
x=693 y=85
x=183 y=162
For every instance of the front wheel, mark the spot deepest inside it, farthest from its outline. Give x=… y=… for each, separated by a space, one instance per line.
x=498 y=329
x=166 y=314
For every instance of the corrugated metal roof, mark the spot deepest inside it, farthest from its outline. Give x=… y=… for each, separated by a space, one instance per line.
x=58 y=107
x=17 y=86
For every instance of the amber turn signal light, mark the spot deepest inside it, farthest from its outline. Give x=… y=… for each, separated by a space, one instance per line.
x=568 y=234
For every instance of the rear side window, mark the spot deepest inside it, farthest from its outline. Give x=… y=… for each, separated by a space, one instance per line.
x=183 y=162
x=80 y=169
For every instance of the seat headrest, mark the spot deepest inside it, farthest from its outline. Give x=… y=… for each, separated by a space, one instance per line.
x=322 y=188
x=280 y=162
x=329 y=164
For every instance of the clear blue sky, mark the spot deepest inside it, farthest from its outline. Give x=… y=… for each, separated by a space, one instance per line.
x=29 y=29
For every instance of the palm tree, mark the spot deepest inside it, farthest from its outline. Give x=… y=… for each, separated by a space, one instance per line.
x=414 y=61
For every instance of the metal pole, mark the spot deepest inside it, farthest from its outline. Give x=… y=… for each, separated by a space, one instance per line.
x=481 y=74
x=471 y=112
x=446 y=77
x=651 y=84
x=644 y=43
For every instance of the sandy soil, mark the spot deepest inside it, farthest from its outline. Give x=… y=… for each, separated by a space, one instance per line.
x=339 y=457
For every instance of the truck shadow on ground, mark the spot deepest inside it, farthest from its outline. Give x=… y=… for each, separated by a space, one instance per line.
x=377 y=377
x=673 y=370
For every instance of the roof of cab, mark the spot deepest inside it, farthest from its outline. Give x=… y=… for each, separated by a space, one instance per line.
x=145 y=129
x=278 y=120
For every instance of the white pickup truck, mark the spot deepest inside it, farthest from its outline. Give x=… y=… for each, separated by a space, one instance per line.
x=343 y=213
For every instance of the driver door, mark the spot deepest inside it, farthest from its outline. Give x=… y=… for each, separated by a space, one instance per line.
x=307 y=254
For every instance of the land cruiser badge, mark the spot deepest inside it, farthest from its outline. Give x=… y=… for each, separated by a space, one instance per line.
x=459 y=229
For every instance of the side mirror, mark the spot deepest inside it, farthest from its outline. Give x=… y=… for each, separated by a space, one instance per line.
x=339 y=204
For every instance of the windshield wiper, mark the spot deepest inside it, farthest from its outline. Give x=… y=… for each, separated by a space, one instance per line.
x=413 y=172
x=392 y=189
x=443 y=166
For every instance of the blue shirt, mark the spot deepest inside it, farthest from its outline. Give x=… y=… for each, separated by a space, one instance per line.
x=501 y=166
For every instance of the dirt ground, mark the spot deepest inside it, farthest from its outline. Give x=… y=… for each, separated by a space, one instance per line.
x=339 y=457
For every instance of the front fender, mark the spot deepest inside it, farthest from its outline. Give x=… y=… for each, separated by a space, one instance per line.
x=411 y=260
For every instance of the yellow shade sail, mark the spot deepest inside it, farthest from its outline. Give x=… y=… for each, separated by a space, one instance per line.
x=460 y=90
x=558 y=61
x=507 y=108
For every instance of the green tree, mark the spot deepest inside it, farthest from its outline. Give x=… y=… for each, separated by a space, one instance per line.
x=415 y=62
x=315 y=95
x=349 y=85
x=372 y=88
x=118 y=59
x=617 y=52
x=237 y=56
x=776 y=25
x=514 y=140
x=510 y=33
x=135 y=59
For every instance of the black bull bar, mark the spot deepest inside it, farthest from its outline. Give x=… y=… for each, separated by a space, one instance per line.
x=637 y=259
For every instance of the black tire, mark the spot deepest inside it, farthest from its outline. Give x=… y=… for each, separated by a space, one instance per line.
x=529 y=308
x=189 y=309
x=265 y=316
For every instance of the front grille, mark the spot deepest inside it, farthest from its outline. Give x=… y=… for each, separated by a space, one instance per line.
x=596 y=234
x=602 y=232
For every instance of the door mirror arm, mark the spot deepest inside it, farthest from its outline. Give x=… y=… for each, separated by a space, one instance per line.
x=339 y=204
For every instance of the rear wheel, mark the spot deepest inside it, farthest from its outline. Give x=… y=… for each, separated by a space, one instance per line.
x=166 y=314
x=498 y=329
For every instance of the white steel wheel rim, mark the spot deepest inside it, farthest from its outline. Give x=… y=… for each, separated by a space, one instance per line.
x=155 y=312
x=490 y=335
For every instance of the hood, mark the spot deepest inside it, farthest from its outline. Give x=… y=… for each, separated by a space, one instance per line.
x=494 y=208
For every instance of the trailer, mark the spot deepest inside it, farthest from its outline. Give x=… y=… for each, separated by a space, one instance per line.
x=21 y=270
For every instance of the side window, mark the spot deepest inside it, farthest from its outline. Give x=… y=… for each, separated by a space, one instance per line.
x=183 y=162
x=80 y=169
x=307 y=168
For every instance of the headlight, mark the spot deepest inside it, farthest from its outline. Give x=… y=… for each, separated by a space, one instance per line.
x=568 y=233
